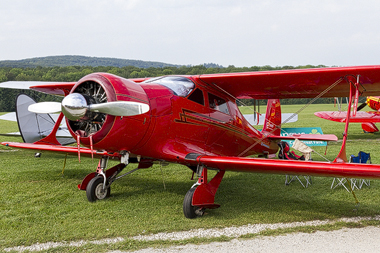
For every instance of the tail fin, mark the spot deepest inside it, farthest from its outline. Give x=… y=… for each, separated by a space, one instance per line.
x=272 y=123
x=33 y=127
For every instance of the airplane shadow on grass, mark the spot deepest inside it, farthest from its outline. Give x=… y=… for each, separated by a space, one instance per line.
x=259 y=197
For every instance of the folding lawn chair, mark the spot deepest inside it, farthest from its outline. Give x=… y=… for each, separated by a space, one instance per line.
x=285 y=153
x=341 y=181
x=362 y=158
x=355 y=183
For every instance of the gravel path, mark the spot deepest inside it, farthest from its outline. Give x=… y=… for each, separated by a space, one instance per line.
x=345 y=240
x=242 y=230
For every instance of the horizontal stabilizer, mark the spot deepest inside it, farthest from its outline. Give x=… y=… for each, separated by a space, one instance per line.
x=10 y=116
x=258 y=119
x=14 y=134
x=309 y=137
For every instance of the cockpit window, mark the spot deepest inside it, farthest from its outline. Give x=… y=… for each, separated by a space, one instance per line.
x=181 y=86
x=197 y=97
x=218 y=103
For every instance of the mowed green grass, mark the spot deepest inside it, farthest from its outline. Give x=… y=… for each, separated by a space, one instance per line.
x=39 y=204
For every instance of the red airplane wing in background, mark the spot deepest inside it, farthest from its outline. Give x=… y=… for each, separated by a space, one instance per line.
x=368 y=119
x=360 y=117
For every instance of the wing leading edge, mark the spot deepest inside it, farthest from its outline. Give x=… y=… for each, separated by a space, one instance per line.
x=60 y=149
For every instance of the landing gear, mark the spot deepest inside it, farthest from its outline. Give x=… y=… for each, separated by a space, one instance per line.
x=95 y=189
x=202 y=194
x=98 y=184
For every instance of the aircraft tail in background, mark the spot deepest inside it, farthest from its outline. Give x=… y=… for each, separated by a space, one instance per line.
x=272 y=123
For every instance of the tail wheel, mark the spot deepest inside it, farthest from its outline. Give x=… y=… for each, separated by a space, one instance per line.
x=95 y=191
x=189 y=210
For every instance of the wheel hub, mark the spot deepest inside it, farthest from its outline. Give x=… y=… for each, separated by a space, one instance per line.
x=100 y=193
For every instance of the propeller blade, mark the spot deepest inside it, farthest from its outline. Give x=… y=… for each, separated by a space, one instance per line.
x=74 y=107
x=45 y=107
x=120 y=108
x=361 y=106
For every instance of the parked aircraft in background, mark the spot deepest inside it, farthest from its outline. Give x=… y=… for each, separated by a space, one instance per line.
x=367 y=119
x=33 y=126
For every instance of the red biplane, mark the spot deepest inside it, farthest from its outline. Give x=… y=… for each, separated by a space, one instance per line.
x=368 y=119
x=195 y=121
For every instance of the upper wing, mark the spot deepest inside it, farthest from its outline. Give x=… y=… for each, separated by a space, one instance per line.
x=54 y=88
x=291 y=167
x=361 y=117
x=298 y=83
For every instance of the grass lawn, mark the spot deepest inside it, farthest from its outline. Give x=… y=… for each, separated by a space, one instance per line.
x=39 y=204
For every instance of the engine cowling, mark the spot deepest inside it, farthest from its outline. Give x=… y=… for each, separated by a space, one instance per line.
x=107 y=131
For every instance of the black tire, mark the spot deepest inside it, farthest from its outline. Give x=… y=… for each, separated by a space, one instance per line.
x=94 y=190
x=189 y=210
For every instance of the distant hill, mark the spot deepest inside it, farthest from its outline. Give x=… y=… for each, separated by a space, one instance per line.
x=77 y=60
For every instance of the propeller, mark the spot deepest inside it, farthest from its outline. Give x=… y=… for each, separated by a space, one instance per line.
x=75 y=106
x=362 y=106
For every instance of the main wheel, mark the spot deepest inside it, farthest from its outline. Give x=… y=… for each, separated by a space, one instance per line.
x=94 y=189
x=189 y=210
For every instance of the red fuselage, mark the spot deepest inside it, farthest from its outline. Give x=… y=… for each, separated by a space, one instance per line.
x=200 y=119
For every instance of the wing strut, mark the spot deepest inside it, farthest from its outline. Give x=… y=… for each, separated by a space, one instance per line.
x=354 y=95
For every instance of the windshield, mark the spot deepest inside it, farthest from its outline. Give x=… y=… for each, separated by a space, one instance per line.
x=181 y=86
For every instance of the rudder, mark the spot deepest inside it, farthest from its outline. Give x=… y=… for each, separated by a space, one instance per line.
x=272 y=123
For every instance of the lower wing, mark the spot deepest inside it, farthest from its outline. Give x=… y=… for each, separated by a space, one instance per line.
x=291 y=167
x=61 y=149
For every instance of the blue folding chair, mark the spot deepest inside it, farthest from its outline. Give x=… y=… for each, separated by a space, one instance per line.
x=362 y=157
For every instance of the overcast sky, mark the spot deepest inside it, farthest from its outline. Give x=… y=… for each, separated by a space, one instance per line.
x=237 y=32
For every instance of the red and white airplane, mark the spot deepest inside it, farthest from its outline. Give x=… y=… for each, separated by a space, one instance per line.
x=194 y=121
x=368 y=119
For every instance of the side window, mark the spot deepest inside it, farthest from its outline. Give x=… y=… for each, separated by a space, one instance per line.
x=197 y=97
x=218 y=103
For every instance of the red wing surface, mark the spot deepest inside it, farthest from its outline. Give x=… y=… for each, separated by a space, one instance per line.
x=361 y=117
x=291 y=167
x=298 y=83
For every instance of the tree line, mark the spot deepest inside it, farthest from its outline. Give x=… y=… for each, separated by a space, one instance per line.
x=78 y=60
x=74 y=73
